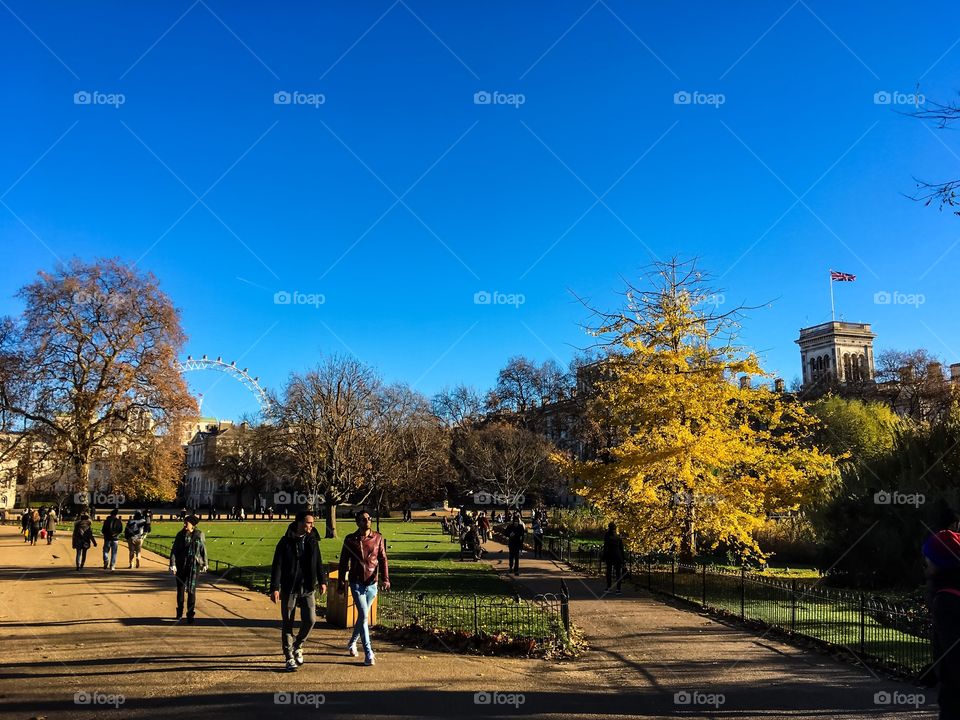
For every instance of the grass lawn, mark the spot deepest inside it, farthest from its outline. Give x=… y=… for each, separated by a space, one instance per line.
x=421 y=557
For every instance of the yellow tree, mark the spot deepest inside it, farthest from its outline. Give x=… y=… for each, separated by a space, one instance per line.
x=695 y=457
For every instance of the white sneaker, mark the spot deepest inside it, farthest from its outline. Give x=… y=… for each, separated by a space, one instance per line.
x=352 y=650
x=292 y=665
x=371 y=660
x=298 y=656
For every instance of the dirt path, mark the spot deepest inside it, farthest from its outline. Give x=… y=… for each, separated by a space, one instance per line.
x=77 y=643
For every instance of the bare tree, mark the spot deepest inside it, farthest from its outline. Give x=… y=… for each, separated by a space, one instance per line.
x=509 y=461
x=943 y=193
x=326 y=419
x=410 y=458
x=914 y=384
x=248 y=457
x=91 y=365
x=458 y=407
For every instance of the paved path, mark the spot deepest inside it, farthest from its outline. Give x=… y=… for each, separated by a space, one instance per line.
x=70 y=636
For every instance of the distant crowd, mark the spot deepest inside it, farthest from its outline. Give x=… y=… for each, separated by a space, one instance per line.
x=475 y=530
x=41 y=524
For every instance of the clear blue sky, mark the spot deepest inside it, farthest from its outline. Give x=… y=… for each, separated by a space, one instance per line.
x=494 y=197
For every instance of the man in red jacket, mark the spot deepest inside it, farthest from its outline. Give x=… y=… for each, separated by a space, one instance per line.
x=364 y=553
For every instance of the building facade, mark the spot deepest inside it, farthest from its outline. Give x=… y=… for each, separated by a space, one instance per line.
x=836 y=352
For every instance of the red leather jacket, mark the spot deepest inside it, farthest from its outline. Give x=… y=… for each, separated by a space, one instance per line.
x=364 y=556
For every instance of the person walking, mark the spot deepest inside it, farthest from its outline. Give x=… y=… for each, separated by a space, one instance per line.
x=25 y=524
x=537 y=537
x=51 y=525
x=363 y=555
x=484 y=523
x=34 y=527
x=942 y=553
x=83 y=538
x=296 y=574
x=111 y=531
x=515 y=534
x=188 y=558
x=134 y=534
x=614 y=555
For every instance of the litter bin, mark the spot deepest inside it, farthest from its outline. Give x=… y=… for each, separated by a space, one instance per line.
x=341 y=612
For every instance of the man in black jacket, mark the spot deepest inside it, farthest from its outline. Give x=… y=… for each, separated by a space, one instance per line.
x=297 y=571
x=614 y=555
x=112 y=530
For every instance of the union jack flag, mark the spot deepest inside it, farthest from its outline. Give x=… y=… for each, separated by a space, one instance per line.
x=842 y=276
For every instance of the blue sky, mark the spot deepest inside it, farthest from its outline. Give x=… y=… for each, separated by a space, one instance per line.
x=386 y=190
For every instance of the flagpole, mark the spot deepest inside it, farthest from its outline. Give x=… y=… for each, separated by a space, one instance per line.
x=833 y=312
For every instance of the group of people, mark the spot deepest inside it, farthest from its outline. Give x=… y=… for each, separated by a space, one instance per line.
x=475 y=531
x=134 y=532
x=38 y=524
x=296 y=574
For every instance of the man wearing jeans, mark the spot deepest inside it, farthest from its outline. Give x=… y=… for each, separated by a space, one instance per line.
x=364 y=553
x=112 y=530
x=296 y=573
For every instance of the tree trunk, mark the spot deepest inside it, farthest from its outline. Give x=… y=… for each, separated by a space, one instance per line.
x=331 y=517
x=688 y=550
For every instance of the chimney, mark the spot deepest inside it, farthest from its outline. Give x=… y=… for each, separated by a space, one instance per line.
x=934 y=372
x=955 y=372
x=745 y=382
x=778 y=385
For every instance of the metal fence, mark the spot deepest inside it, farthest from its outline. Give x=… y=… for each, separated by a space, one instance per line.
x=253 y=579
x=546 y=618
x=880 y=632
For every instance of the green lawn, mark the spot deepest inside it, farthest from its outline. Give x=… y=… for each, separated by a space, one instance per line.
x=421 y=557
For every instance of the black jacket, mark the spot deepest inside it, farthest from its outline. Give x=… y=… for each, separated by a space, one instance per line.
x=613 y=551
x=112 y=528
x=515 y=535
x=297 y=563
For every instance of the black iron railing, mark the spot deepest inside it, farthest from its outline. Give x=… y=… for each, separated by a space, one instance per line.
x=887 y=634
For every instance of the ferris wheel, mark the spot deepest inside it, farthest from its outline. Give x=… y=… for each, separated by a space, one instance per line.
x=241 y=375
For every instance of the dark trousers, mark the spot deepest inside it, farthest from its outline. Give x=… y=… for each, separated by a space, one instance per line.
x=81 y=557
x=614 y=570
x=308 y=618
x=183 y=589
x=514 y=558
x=946 y=653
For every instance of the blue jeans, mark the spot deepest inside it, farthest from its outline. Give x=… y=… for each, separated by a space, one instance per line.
x=363 y=596
x=110 y=549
